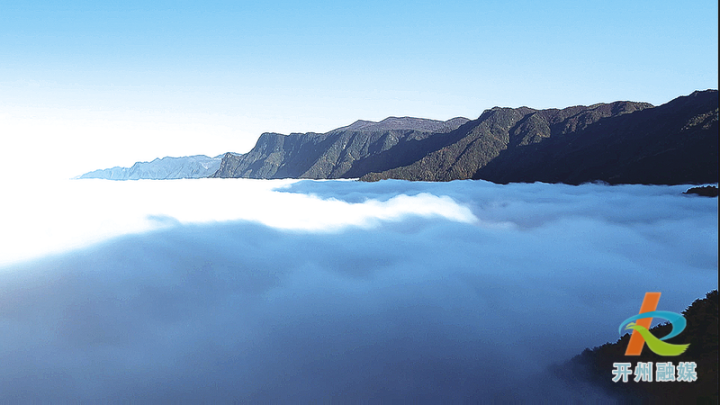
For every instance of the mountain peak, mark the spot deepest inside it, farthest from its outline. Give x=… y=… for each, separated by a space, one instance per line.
x=404 y=123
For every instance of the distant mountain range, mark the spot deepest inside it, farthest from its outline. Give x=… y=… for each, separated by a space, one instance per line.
x=187 y=167
x=347 y=152
x=620 y=142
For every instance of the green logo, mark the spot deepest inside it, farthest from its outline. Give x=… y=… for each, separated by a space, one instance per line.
x=641 y=335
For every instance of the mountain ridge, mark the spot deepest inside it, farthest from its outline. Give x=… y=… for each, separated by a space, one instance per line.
x=673 y=143
x=498 y=129
x=404 y=123
x=618 y=142
x=340 y=153
x=166 y=168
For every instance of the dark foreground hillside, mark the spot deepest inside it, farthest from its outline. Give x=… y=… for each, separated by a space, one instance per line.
x=596 y=365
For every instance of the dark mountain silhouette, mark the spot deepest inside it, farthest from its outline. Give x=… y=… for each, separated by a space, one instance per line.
x=675 y=143
x=620 y=142
x=595 y=366
x=346 y=152
x=706 y=191
x=462 y=153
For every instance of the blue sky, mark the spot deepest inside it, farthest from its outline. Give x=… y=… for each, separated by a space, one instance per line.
x=186 y=77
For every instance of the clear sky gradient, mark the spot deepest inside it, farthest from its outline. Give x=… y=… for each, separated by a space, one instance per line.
x=133 y=80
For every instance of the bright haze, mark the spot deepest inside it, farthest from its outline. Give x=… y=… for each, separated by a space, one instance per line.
x=87 y=85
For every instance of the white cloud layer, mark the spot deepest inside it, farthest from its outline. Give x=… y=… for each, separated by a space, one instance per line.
x=54 y=216
x=319 y=291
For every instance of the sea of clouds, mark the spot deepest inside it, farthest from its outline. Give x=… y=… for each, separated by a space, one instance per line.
x=286 y=291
